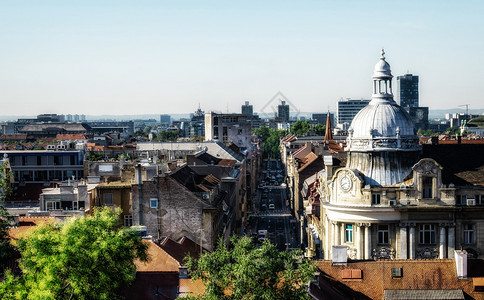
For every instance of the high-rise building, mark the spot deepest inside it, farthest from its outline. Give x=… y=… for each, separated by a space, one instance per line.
x=321 y=118
x=165 y=120
x=283 y=112
x=247 y=109
x=348 y=108
x=407 y=90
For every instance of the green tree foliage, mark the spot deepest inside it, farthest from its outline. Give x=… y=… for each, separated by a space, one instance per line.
x=247 y=272
x=6 y=248
x=319 y=129
x=84 y=258
x=270 y=141
x=427 y=133
x=95 y=156
x=300 y=128
x=168 y=135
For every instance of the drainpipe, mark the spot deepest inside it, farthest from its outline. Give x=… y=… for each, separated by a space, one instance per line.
x=140 y=195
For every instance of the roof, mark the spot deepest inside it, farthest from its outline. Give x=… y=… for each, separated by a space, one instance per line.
x=438 y=274
x=193 y=181
x=307 y=160
x=191 y=287
x=423 y=294
x=53 y=126
x=26 y=224
x=463 y=164
x=159 y=260
x=70 y=136
x=288 y=138
x=181 y=248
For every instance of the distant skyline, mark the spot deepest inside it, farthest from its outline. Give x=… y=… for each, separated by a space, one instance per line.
x=157 y=57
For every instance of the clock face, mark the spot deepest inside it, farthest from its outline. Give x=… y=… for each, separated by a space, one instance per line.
x=345 y=183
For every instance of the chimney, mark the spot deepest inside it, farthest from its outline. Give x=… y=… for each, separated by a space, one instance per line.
x=434 y=140
x=459 y=139
x=461 y=263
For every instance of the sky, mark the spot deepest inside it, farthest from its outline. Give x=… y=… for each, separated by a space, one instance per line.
x=143 y=57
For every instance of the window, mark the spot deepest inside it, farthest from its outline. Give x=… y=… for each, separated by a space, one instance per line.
x=427 y=234
x=469 y=233
x=108 y=199
x=479 y=200
x=349 y=233
x=375 y=199
x=128 y=220
x=52 y=205
x=461 y=200
x=383 y=234
x=153 y=202
x=427 y=187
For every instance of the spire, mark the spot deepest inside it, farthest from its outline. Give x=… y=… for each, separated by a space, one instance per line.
x=328 y=134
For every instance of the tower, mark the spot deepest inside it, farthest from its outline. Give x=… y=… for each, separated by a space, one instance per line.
x=382 y=141
x=407 y=90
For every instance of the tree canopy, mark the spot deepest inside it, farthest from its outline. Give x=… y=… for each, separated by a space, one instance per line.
x=245 y=271
x=84 y=258
x=6 y=248
x=270 y=140
x=304 y=128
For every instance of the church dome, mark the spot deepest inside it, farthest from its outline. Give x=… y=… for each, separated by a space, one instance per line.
x=379 y=120
x=382 y=142
x=382 y=125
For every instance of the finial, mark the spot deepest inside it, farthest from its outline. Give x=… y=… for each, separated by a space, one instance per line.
x=382 y=54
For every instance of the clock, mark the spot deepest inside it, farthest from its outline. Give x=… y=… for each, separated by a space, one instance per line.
x=345 y=183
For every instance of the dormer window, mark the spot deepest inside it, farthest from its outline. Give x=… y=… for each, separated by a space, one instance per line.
x=375 y=199
x=427 y=187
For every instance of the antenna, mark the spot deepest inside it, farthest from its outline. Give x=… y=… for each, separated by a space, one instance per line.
x=467 y=108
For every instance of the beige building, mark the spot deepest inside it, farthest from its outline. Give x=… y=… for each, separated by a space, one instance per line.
x=394 y=199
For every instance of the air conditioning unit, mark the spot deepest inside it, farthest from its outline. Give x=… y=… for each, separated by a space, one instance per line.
x=392 y=202
x=471 y=202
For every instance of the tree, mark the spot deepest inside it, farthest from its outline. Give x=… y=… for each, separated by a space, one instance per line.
x=271 y=139
x=319 y=129
x=300 y=128
x=247 y=272
x=84 y=258
x=6 y=248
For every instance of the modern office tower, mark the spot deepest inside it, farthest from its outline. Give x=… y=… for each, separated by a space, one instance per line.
x=321 y=118
x=420 y=116
x=348 y=108
x=165 y=120
x=247 y=109
x=283 y=112
x=407 y=90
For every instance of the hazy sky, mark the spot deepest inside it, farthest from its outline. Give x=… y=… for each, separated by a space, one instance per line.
x=137 y=57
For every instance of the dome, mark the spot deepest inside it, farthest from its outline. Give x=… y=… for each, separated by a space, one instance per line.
x=382 y=120
x=382 y=142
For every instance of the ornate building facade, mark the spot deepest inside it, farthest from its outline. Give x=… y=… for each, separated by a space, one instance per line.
x=394 y=200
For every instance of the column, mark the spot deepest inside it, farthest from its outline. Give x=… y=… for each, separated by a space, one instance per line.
x=403 y=241
x=337 y=234
x=411 y=242
x=367 y=241
x=442 y=244
x=342 y=231
x=451 y=245
x=359 y=250
x=333 y=233
x=326 y=239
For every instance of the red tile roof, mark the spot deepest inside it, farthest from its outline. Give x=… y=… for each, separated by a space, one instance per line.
x=70 y=137
x=377 y=277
